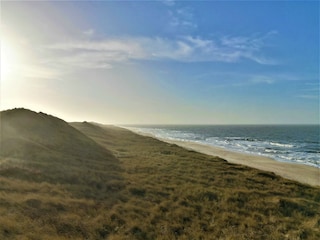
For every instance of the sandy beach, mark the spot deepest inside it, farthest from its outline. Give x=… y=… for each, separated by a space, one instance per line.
x=297 y=172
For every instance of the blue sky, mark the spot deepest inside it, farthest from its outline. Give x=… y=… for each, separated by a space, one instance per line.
x=168 y=62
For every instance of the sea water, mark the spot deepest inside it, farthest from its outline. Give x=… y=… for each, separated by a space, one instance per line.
x=286 y=143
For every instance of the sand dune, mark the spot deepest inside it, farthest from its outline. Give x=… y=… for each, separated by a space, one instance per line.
x=86 y=181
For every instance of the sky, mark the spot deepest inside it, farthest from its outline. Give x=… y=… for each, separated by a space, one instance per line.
x=162 y=62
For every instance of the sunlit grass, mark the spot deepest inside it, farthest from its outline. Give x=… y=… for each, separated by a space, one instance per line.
x=152 y=190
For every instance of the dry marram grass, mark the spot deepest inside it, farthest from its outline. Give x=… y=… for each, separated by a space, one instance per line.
x=147 y=189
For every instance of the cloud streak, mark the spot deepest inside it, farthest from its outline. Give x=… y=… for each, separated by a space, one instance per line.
x=311 y=92
x=107 y=52
x=182 y=18
x=168 y=3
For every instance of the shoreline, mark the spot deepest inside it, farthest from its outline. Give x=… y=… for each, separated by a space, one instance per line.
x=293 y=171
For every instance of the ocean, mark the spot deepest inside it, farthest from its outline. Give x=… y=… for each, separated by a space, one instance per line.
x=285 y=143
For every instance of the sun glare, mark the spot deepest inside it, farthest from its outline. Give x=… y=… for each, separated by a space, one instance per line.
x=9 y=60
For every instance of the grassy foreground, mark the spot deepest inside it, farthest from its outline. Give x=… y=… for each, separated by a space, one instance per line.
x=174 y=193
x=149 y=189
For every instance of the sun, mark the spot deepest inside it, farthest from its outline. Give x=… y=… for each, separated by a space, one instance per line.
x=9 y=60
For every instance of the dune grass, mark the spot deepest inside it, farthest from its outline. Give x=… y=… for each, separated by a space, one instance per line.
x=156 y=190
x=173 y=193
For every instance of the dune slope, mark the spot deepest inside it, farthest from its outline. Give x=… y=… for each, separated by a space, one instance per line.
x=51 y=175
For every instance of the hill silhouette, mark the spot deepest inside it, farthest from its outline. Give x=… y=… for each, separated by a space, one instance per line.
x=40 y=147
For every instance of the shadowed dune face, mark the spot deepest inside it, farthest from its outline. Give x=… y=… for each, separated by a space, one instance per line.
x=28 y=130
x=39 y=147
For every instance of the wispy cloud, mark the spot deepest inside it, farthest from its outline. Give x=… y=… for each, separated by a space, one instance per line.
x=39 y=71
x=311 y=91
x=252 y=80
x=105 y=53
x=262 y=79
x=182 y=18
x=247 y=79
x=169 y=3
x=90 y=60
x=88 y=32
x=254 y=42
x=312 y=97
x=249 y=46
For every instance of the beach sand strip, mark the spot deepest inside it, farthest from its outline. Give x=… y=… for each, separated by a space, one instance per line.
x=293 y=171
